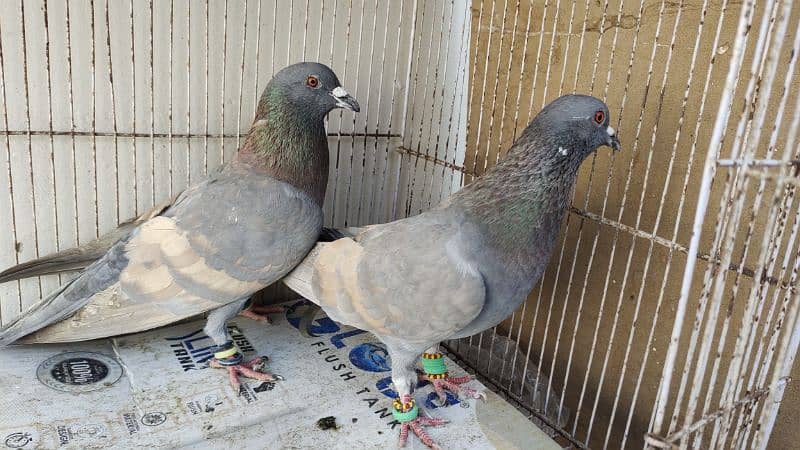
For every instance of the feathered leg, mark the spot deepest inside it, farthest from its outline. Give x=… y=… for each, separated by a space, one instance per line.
x=227 y=355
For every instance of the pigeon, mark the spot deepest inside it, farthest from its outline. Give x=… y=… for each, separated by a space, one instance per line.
x=463 y=266
x=220 y=240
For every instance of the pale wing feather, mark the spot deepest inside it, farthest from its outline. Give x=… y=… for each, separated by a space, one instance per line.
x=402 y=279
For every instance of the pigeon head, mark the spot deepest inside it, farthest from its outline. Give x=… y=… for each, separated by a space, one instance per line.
x=312 y=88
x=577 y=125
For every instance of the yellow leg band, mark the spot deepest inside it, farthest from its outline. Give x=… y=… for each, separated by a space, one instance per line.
x=226 y=353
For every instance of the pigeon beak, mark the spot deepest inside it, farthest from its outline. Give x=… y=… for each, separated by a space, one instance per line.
x=613 y=141
x=345 y=100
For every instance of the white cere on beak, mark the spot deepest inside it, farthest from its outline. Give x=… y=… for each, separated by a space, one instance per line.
x=563 y=151
x=340 y=95
x=610 y=131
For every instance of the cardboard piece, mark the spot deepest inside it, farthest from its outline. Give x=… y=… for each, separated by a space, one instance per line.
x=153 y=390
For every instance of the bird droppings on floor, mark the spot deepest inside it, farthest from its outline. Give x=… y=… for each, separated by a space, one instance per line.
x=327 y=423
x=166 y=398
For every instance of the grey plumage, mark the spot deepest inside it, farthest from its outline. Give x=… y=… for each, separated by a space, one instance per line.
x=219 y=241
x=467 y=264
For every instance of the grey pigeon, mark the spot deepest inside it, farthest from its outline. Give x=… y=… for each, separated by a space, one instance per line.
x=464 y=266
x=221 y=240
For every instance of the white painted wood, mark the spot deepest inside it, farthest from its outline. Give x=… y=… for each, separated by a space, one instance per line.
x=189 y=73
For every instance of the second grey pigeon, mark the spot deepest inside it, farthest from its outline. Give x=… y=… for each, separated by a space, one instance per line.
x=464 y=266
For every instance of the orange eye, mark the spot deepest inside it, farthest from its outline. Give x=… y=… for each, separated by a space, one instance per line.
x=312 y=82
x=599 y=117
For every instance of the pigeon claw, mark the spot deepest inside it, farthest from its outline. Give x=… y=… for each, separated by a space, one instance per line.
x=416 y=426
x=253 y=369
x=454 y=385
x=261 y=313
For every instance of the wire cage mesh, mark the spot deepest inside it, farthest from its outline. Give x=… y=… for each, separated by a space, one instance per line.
x=668 y=315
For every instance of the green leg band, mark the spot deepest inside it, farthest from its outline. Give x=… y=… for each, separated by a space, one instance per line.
x=406 y=416
x=433 y=364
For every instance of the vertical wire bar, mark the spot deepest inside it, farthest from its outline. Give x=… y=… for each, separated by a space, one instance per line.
x=153 y=102
x=463 y=78
x=413 y=119
x=461 y=81
x=539 y=58
x=169 y=130
x=436 y=84
x=479 y=125
x=366 y=113
x=257 y=78
x=223 y=78
x=406 y=100
x=550 y=53
x=473 y=79
x=378 y=109
x=391 y=111
x=702 y=205
x=50 y=125
x=241 y=78
x=289 y=36
x=275 y=30
x=321 y=20
x=382 y=72
x=113 y=110
x=493 y=109
x=133 y=115
x=305 y=32
x=28 y=134
x=427 y=150
x=10 y=174
x=686 y=178
x=583 y=38
x=341 y=115
x=71 y=100
x=569 y=40
x=188 y=93
x=206 y=118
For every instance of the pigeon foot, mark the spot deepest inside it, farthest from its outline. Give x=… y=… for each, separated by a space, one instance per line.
x=254 y=369
x=435 y=372
x=261 y=313
x=407 y=413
